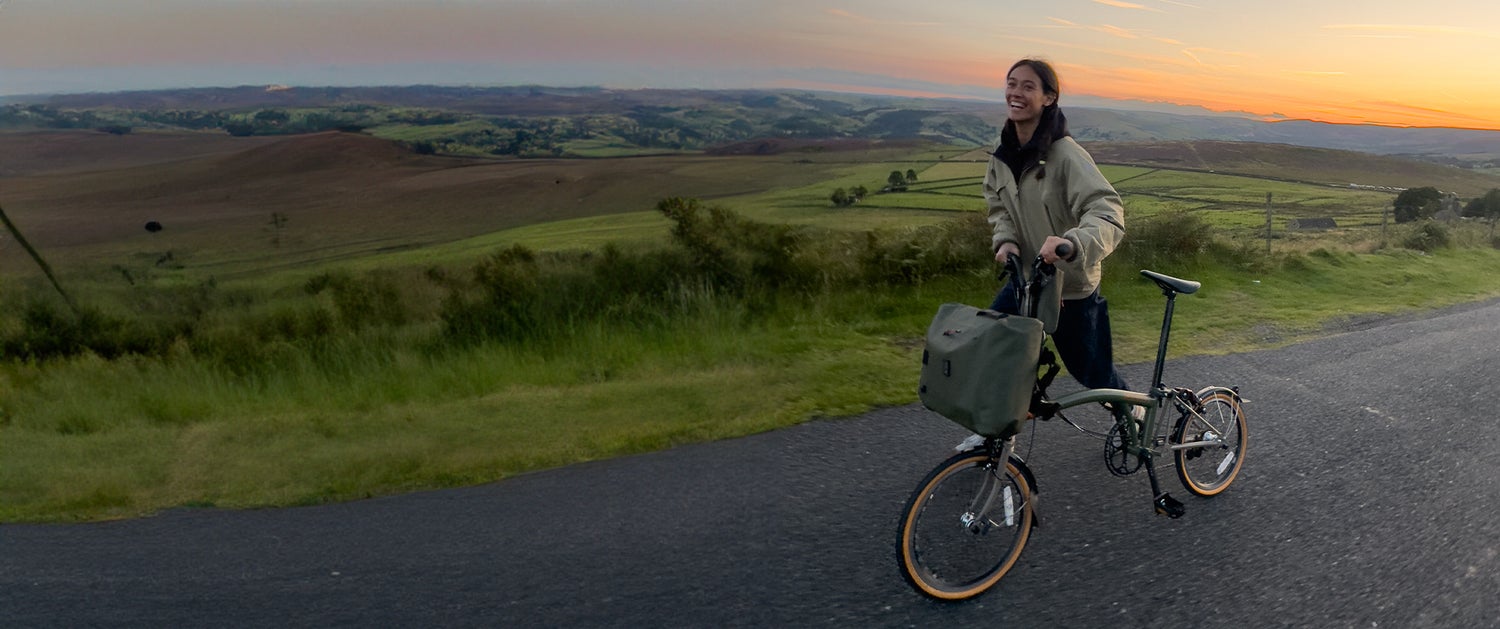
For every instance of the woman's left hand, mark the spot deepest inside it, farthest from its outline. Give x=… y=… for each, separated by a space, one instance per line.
x=1049 y=248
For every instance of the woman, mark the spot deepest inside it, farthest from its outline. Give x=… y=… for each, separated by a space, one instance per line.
x=1043 y=190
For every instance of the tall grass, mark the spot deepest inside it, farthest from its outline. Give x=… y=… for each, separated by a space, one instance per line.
x=389 y=380
x=347 y=385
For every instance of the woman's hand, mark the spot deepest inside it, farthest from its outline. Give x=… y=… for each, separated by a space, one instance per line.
x=1007 y=249
x=1049 y=249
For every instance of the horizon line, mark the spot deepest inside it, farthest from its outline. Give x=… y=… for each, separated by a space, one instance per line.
x=851 y=90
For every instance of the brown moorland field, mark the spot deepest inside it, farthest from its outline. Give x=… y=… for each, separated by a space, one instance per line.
x=58 y=152
x=85 y=197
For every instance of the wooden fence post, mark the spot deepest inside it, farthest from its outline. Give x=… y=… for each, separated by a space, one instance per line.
x=1268 y=224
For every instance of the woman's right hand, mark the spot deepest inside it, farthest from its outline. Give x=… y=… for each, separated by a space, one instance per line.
x=1006 y=250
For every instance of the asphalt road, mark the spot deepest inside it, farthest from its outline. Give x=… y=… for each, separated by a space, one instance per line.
x=1367 y=499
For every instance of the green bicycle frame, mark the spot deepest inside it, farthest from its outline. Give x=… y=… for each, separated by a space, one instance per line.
x=1137 y=442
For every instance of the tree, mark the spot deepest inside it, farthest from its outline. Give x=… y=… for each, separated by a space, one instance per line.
x=273 y=117
x=859 y=193
x=840 y=198
x=1486 y=207
x=896 y=181
x=911 y=176
x=1417 y=203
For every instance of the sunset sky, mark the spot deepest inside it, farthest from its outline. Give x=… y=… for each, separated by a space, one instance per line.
x=1428 y=63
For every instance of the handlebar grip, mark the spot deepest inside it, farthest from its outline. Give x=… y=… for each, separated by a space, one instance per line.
x=1064 y=250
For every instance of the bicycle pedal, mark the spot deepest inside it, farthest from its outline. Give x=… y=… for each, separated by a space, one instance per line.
x=1168 y=506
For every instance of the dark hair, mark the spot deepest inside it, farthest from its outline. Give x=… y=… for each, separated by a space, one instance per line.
x=1043 y=71
x=1053 y=125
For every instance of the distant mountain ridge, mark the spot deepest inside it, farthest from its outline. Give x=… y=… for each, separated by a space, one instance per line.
x=865 y=115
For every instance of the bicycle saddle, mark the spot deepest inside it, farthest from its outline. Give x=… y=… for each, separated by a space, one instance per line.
x=1167 y=282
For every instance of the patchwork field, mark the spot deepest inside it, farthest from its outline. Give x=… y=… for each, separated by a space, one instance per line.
x=234 y=206
x=242 y=356
x=83 y=198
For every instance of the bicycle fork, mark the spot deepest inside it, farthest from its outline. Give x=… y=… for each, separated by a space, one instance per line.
x=982 y=509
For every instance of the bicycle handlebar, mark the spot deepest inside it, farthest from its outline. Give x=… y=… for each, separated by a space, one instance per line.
x=1013 y=262
x=1042 y=274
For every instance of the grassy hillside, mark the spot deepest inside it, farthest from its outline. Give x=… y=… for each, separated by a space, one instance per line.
x=342 y=195
x=234 y=206
x=422 y=321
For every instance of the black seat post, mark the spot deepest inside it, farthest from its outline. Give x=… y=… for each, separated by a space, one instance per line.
x=1166 y=331
x=1170 y=287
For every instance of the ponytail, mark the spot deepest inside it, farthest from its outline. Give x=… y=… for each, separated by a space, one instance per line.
x=1052 y=127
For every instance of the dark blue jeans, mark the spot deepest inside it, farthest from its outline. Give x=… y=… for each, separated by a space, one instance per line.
x=1082 y=338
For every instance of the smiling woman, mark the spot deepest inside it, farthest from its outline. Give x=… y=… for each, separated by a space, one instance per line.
x=1048 y=200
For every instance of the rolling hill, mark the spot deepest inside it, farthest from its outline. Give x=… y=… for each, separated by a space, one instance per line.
x=341 y=194
x=85 y=196
x=711 y=116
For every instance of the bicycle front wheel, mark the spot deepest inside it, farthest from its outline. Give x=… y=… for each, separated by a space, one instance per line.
x=1219 y=428
x=964 y=526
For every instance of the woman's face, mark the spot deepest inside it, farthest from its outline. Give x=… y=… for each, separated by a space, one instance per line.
x=1023 y=95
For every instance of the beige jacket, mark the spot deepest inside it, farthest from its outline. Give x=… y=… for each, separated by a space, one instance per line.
x=1072 y=200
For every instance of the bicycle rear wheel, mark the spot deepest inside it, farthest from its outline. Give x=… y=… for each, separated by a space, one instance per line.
x=964 y=526
x=1208 y=470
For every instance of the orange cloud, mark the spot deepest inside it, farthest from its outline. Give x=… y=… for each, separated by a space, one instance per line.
x=1122 y=33
x=1126 y=5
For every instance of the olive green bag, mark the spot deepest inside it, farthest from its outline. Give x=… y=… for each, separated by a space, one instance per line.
x=980 y=367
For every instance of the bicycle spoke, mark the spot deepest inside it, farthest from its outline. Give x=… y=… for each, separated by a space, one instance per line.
x=1208 y=469
x=1216 y=430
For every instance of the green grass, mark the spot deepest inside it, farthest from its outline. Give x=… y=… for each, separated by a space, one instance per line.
x=373 y=414
x=381 y=418
x=1121 y=174
x=379 y=410
x=953 y=170
x=611 y=147
x=574 y=234
x=916 y=199
x=414 y=133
